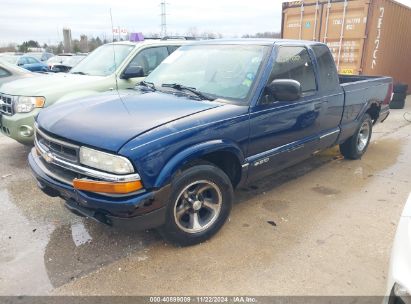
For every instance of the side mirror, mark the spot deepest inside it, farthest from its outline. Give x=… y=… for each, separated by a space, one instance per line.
x=133 y=72
x=284 y=89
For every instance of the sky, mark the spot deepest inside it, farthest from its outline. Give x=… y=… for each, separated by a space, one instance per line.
x=43 y=20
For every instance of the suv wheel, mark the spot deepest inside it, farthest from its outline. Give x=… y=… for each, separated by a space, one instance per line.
x=200 y=203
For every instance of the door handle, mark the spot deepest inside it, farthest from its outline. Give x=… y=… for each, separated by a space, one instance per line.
x=317 y=106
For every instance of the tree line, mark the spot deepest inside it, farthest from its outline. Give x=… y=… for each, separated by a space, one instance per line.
x=86 y=45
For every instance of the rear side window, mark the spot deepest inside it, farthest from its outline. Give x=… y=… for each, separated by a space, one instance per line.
x=31 y=60
x=327 y=71
x=293 y=62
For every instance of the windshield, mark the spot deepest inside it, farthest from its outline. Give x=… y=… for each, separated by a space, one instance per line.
x=101 y=61
x=221 y=71
x=73 y=60
x=57 y=59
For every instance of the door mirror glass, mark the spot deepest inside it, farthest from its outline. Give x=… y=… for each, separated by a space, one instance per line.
x=133 y=72
x=284 y=89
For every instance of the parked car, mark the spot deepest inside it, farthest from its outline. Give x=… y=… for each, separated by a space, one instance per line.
x=42 y=56
x=26 y=62
x=67 y=64
x=58 y=59
x=399 y=275
x=98 y=72
x=211 y=117
x=9 y=72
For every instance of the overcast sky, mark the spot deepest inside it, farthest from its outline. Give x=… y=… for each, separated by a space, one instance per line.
x=43 y=20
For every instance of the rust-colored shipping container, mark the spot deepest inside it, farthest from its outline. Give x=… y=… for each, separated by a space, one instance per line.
x=370 y=37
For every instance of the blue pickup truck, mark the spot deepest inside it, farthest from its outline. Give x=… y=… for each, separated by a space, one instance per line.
x=213 y=116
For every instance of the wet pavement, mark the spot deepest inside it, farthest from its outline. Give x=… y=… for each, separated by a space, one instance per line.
x=322 y=227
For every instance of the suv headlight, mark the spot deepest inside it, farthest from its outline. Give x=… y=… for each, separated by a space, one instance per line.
x=26 y=104
x=105 y=161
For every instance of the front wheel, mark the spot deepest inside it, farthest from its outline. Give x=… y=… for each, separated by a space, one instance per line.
x=200 y=203
x=355 y=146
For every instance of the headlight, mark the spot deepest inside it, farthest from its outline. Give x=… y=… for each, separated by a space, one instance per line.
x=26 y=104
x=105 y=161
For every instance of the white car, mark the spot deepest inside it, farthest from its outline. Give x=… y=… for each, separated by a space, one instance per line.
x=399 y=276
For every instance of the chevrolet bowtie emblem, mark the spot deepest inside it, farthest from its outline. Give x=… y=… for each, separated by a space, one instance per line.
x=48 y=157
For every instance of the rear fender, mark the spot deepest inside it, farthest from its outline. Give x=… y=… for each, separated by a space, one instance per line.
x=195 y=152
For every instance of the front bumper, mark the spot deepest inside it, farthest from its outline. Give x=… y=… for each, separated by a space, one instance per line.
x=19 y=126
x=137 y=211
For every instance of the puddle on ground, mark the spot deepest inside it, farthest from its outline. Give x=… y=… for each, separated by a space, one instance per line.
x=77 y=249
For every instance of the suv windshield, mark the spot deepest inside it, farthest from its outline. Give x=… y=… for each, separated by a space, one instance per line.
x=221 y=71
x=101 y=61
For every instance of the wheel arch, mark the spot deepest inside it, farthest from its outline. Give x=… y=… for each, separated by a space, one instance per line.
x=225 y=155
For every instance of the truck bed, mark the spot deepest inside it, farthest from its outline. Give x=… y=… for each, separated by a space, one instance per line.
x=360 y=91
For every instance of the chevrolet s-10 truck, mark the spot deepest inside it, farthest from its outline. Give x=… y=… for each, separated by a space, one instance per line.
x=118 y=64
x=212 y=116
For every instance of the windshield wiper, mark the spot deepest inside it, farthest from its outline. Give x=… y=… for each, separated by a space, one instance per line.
x=147 y=84
x=181 y=87
x=80 y=73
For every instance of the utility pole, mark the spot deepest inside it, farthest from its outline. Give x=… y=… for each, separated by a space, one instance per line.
x=163 y=19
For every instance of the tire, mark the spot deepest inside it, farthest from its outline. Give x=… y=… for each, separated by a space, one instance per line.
x=399 y=97
x=397 y=104
x=398 y=101
x=400 y=88
x=355 y=146
x=188 y=220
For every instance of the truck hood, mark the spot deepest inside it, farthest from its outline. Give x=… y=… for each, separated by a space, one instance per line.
x=107 y=121
x=43 y=84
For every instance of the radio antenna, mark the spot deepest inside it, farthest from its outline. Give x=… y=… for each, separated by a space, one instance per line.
x=114 y=57
x=114 y=50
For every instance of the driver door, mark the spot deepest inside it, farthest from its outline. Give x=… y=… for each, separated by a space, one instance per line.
x=284 y=132
x=148 y=59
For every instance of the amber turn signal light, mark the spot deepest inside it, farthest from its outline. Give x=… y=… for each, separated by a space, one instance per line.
x=107 y=187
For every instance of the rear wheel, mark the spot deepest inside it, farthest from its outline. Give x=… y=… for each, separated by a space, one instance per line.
x=355 y=146
x=200 y=203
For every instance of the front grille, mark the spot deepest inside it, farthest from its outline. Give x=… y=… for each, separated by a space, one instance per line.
x=6 y=104
x=63 y=150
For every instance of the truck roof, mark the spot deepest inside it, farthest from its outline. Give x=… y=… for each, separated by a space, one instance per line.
x=251 y=41
x=151 y=41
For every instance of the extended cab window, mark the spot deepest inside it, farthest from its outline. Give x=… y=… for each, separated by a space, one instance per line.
x=150 y=58
x=293 y=62
x=326 y=67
